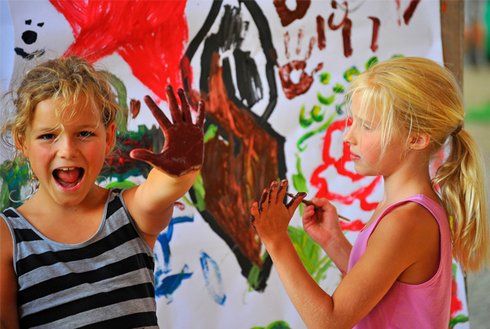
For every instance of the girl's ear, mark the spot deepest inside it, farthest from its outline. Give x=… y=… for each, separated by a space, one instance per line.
x=110 y=137
x=419 y=141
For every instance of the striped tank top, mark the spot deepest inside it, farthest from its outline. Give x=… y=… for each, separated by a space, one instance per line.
x=105 y=282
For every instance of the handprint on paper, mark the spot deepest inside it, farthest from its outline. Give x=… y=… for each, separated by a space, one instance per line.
x=295 y=80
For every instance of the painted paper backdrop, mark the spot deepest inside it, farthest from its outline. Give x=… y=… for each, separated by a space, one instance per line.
x=273 y=75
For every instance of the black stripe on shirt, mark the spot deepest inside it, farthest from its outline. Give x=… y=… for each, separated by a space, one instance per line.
x=136 y=320
x=70 y=280
x=93 y=302
x=113 y=206
x=120 y=236
x=25 y=235
x=10 y=213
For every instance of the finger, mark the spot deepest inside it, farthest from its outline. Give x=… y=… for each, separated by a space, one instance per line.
x=273 y=192
x=296 y=200
x=143 y=155
x=173 y=105
x=162 y=120
x=200 y=114
x=283 y=187
x=184 y=104
x=263 y=199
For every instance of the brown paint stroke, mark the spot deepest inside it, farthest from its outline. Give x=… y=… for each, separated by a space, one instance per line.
x=374 y=37
x=345 y=24
x=320 y=31
x=288 y=16
x=407 y=15
x=237 y=165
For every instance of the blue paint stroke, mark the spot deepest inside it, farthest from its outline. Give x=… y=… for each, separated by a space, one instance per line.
x=165 y=237
x=212 y=277
x=170 y=283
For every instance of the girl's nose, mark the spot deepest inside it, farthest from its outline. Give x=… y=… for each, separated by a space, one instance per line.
x=67 y=147
x=348 y=135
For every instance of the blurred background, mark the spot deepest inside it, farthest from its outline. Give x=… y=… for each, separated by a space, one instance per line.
x=477 y=101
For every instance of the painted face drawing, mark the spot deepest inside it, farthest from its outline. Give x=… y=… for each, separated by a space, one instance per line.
x=29 y=37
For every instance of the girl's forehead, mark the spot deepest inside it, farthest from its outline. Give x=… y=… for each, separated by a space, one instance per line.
x=59 y=112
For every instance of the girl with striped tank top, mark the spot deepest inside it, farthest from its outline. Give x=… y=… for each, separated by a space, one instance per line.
x=398 y=272
x=76 y=254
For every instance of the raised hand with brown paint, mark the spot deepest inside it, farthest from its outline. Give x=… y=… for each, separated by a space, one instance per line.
x=183 y=148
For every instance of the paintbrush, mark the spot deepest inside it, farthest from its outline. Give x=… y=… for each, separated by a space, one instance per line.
x=309 y=203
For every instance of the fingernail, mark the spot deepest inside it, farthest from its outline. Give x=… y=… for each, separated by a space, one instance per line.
x=299 y=194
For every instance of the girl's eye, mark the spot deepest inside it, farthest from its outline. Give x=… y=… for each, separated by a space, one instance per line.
x=47 y=137
x=85 y=134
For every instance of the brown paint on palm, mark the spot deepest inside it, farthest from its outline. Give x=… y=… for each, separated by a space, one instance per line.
x=183 y=148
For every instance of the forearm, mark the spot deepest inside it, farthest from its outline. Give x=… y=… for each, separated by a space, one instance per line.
x=338 y=250
x=161 y=190
x=313 y=304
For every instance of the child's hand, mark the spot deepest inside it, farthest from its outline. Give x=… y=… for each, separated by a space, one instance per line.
x=270 y=216
x=321 y=222
x=183 y=149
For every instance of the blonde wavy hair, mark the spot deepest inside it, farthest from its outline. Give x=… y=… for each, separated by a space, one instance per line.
x=418 y=95
x=72 y=81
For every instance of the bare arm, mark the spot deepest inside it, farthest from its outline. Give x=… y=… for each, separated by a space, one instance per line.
x=394 y=247
x=174 y=169
x=8 y=282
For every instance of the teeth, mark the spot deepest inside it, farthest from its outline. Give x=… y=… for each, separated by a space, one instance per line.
x=67 y=169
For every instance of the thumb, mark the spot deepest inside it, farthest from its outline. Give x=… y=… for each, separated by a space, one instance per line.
x=143 y=155
x=294 y=203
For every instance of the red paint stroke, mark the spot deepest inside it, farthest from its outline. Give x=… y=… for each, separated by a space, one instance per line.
x=149 y=35
x=320 y=31
x=374 y=37
x=288 y=16
x=345 y=24
x=321 y=183
x=354 y=226
x=456 y=303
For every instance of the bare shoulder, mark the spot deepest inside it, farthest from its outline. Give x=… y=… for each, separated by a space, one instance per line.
x=412 y=233
x=8 y=281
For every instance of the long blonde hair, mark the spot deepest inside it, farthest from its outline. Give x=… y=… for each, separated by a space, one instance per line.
x=418 y=95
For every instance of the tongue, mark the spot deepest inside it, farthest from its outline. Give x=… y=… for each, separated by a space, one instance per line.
x=68 y=177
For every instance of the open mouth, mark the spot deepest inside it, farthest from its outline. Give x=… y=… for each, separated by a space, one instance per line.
x=68 y=177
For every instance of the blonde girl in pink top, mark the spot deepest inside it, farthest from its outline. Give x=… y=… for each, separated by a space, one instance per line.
x=403 y=111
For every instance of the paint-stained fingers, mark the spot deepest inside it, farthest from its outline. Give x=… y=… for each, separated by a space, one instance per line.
x=297 y=199
x=162 y=120
x=273 y=191
x=200 y=114
x=264 y=198
x=173 y=105
x=282 y=190
x=184 y=104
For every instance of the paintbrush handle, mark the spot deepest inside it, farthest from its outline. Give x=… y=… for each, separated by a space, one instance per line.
x=309 y=203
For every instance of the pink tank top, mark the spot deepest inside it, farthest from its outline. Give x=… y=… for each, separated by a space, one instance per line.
x=421 y=306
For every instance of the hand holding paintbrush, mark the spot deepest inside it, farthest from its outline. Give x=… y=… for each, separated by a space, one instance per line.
x=309 y=203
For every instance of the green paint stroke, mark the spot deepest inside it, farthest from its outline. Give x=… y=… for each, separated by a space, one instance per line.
x=310 y=253
x=122 y=95
x=308 y=135
x=14 y=175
